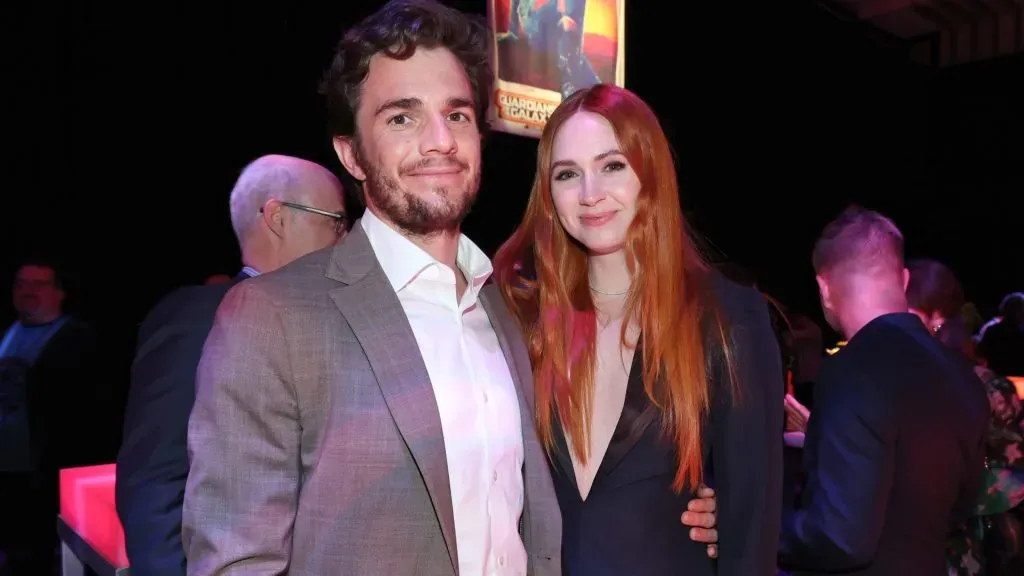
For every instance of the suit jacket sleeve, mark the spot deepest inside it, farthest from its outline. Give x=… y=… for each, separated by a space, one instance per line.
x=153 y=461
x=746 y=435
x=852 y=435
x=244 y=442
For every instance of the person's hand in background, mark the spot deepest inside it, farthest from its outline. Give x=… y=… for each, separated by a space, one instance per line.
x=796 y=414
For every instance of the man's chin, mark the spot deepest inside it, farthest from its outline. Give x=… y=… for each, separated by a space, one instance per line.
x=429 y=225
x=421 y=209
x=436 y=189
x=451 y=180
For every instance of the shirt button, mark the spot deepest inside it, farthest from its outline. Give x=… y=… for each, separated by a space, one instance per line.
x=494 y=477
x=501 y=561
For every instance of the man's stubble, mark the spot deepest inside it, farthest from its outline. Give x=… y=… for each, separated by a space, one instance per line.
x=411 y=213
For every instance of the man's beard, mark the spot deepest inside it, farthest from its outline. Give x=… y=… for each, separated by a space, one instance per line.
x=415 y=215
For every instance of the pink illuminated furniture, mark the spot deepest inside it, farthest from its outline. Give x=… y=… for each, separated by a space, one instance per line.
x=90 y=531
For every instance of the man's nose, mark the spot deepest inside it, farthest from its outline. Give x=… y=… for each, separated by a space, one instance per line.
x=438 y=138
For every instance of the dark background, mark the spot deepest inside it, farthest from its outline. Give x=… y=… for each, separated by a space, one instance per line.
x=127 y=125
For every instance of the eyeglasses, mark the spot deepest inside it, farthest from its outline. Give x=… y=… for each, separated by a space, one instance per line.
x=340 y=219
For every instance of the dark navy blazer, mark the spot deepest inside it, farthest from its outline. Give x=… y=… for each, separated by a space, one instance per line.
x=894 y=455
x=152 y=465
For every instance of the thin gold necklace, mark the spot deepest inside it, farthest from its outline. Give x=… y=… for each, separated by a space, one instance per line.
x=602 y=292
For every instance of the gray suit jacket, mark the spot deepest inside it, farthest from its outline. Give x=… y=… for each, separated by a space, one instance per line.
x=315 y=441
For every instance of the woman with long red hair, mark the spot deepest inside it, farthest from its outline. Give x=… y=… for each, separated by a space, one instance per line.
x=652 y=374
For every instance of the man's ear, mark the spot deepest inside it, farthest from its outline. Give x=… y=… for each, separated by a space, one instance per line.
x=906 y=279
x=826 y=299
x=273 y=216
x=344 y=147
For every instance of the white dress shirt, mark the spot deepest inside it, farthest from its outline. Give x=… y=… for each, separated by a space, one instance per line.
x=476 y=397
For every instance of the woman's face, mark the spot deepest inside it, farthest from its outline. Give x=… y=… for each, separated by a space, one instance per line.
x=593 y=187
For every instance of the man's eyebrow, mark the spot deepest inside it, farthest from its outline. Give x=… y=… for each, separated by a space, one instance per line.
x=460 y=103
x=399 y=104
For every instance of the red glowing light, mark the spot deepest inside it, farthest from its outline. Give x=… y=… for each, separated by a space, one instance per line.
x=87 y=506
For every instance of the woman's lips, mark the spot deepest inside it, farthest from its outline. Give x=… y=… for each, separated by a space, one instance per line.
x=595 y=220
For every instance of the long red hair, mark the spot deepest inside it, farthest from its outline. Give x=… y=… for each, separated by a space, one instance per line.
x=542 y=273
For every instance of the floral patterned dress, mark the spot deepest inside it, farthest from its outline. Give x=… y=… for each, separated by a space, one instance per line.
x=1004 y=475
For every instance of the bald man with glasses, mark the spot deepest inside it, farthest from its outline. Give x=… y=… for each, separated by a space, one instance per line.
x=282 y=208
x=339 y=221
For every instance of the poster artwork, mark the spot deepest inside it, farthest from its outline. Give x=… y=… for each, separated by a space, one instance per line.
x=544 y=50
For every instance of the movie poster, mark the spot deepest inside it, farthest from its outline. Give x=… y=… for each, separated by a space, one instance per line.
x=544 y=50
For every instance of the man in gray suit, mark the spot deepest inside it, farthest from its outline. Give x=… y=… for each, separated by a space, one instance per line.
x=366 y=410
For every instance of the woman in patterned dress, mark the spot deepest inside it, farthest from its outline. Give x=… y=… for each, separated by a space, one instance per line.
x=937 y=297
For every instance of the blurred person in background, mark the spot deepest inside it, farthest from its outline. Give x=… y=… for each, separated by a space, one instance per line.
x=894 y=448
x=990 y=543
x=282 y=208
x=1001 y=341
x=49 y=413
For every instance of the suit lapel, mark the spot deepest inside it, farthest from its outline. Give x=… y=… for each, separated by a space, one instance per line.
x=637 y=414
x=376 y=317
x=562 y=456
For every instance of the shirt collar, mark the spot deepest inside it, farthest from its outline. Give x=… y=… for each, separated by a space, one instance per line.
x=402 y=260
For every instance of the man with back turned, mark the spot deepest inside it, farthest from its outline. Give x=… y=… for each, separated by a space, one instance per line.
x=894 y=446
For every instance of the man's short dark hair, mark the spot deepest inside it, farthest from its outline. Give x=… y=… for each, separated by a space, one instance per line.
x=397 y=30
x=43 y=262
x=859 y=240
